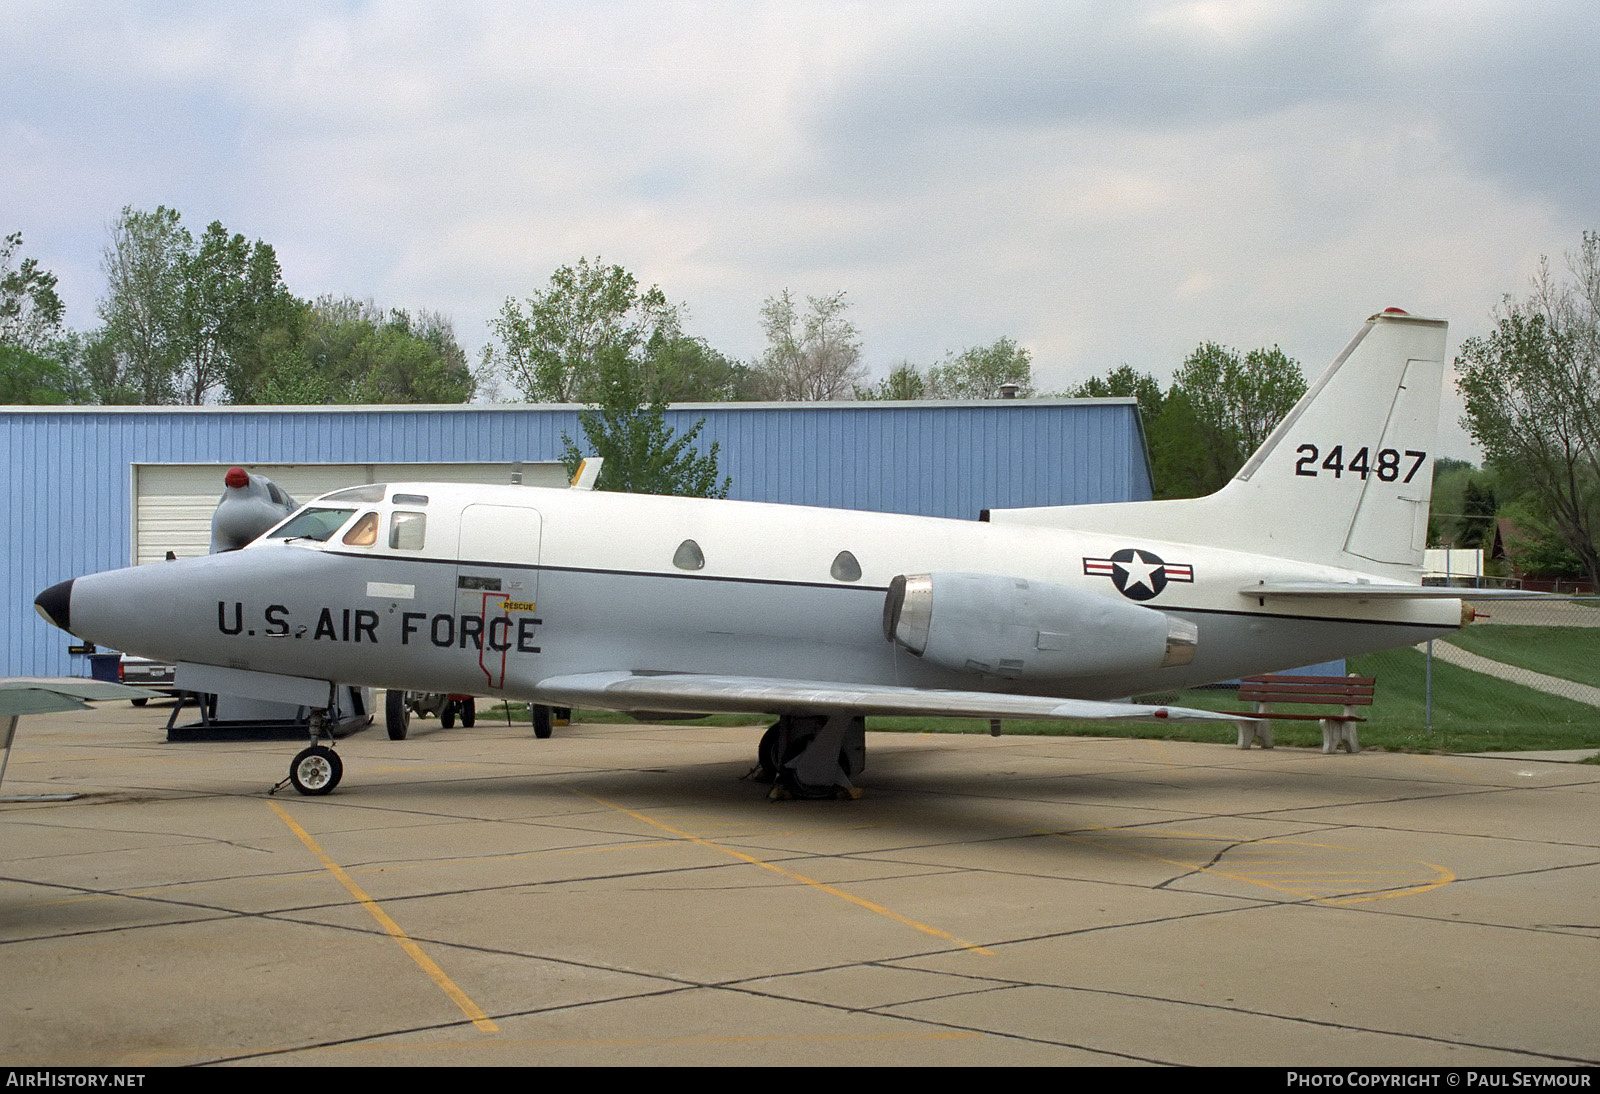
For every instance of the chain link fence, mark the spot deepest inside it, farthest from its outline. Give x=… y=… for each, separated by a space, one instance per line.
x=1544 y=647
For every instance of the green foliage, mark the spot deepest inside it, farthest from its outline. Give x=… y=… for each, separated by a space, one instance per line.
x=903 y=382
x=1219 y=410
x=30 y=310
x=554 y=345
x=142 y=311
x=1123 y=382
x=811 y=357
x=681 y=369
x=185 y=319
x=978 y=372
x=1532 y=393
x=29 y=379
x=1236 y=403
x=642 y=455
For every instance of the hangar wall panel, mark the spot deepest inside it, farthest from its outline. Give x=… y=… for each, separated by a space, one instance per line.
x=68 y=497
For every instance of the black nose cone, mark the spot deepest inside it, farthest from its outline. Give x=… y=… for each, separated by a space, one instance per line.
x=55 y=604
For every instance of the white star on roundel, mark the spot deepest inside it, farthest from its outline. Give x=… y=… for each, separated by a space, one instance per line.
x=1139 y=571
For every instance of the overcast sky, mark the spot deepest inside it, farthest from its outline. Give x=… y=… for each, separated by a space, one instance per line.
x=1103 y=182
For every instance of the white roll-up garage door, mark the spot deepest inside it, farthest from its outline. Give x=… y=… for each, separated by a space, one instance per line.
x=173 y=503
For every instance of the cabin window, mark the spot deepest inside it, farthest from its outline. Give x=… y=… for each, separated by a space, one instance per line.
x=317 y=524
x=371 y=493
x=845 y=567
x=410 y=499
x=363 y=533
x=688 y=556
x=406 y=531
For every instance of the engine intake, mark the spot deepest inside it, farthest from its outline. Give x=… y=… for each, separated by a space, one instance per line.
x=1028 y=630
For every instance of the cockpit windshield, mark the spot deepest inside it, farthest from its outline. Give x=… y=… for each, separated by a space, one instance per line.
x=317 y=524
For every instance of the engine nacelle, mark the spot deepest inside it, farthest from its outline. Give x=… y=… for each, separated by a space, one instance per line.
x=1027 y=630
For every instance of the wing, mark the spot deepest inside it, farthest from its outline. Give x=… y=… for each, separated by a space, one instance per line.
x=29 y=695
x=694 y=693
x=1353 y=590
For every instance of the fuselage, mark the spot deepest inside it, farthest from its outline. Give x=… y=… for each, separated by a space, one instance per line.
x=490 y=589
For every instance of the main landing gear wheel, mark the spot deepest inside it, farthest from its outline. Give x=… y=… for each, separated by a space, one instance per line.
x=543 y=721
x=396 y=715
x=771 y=753
x=316 y=770
x=812 y=756
x=447 y=716
x=469 y=712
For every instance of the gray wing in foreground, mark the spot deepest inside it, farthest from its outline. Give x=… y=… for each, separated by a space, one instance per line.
x=40 y=695
x=1351 y=590
x=698 y=694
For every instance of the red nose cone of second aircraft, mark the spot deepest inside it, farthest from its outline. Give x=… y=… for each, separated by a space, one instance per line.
x=236 y=477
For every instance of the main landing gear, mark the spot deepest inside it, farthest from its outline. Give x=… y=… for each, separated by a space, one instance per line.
x=812 y=756
x=315 y=770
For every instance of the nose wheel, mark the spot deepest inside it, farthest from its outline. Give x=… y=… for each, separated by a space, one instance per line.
x=316 y=770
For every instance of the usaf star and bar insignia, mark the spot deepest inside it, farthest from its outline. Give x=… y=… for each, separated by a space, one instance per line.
x=1138 y=575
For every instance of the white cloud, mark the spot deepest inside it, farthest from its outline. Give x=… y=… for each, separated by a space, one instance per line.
x=1103 y=182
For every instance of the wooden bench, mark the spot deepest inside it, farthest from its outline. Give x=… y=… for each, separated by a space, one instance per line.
x=1267 y=691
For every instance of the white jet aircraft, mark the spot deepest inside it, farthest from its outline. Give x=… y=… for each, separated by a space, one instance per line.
x=820 y=616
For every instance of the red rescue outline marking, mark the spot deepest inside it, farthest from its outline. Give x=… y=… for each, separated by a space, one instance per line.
x=483 y=642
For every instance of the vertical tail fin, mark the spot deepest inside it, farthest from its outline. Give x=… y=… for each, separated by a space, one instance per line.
x=1344 y=480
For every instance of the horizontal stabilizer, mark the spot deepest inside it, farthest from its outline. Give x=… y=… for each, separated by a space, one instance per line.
x=741 y=694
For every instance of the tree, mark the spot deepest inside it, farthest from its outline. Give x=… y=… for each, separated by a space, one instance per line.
x=343 y=350
x=1532 y=392
x=185 y=319
x=1123 y=382
x=904 y=382
x=1236 y=403
x=641 y=453
x=1218 y=410
x=30 y=379
x=813 y=357
x=681 y=369
x=1478 y=508
x=143 y=304
x=980 y=372
x=552 y=345
x=30 y=310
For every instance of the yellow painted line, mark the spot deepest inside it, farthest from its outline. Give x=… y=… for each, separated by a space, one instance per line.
x=861 y=902
x=414 y=951
x=434 y=1047
x=280 y=879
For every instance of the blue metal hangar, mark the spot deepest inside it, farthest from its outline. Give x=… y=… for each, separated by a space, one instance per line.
x=96 y=488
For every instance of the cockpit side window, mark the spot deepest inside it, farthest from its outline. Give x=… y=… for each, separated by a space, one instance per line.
x=406 y=530
x=315 y=524
x=364 y=532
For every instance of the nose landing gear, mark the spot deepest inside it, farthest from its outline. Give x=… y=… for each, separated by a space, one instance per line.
x=315 y=770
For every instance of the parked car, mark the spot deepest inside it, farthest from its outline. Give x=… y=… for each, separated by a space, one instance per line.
x=141 y=672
